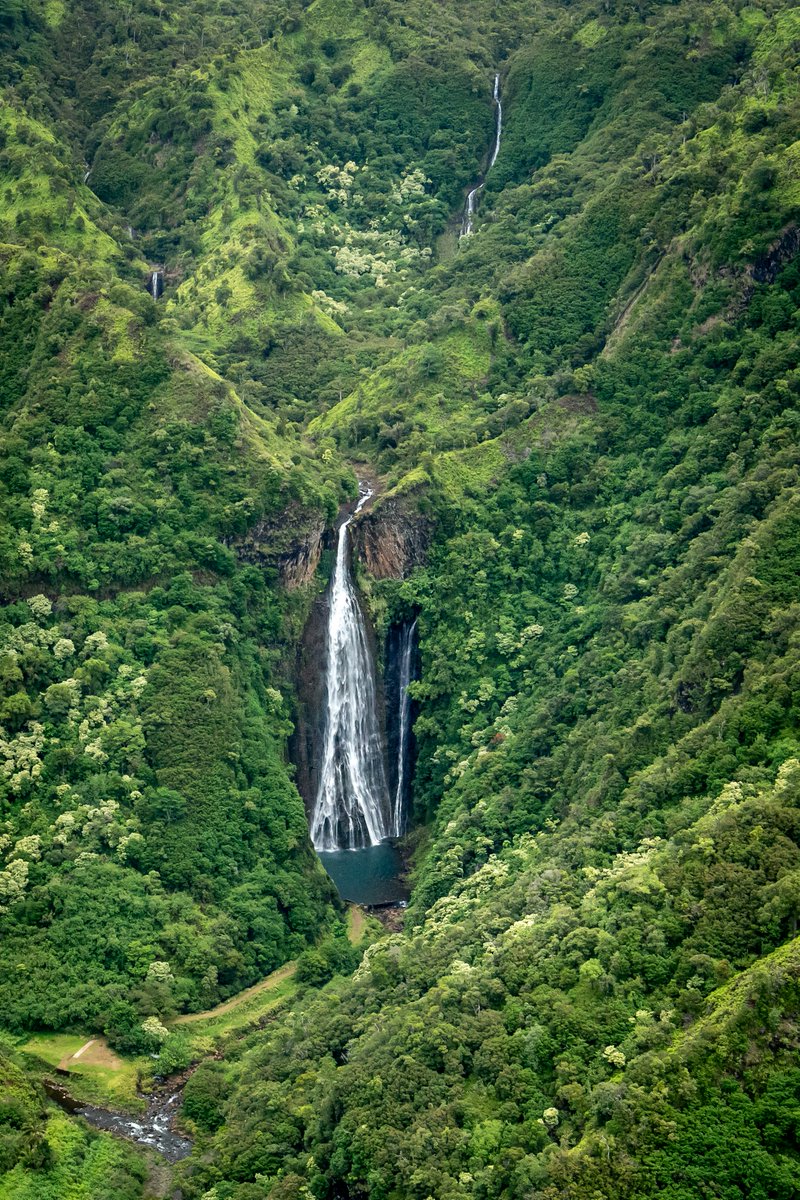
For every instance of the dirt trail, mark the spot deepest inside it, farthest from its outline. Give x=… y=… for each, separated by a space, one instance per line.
x=621 y=323
x=355 y=924
x=227 y=1006
x=97 y=1053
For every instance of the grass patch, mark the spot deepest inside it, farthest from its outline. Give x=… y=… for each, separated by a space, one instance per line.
x=98 y=1078
x=591 y=34
x=53 y=1047
x=205 y=1031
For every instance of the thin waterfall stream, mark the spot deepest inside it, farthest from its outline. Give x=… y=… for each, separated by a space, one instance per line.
x=408 y=635
x=468 y=221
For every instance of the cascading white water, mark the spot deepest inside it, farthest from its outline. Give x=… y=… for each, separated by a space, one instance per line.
x=352 y=806
x=498 y=123
x=469 y=209
x=404 y=728
x=469 y=212
x=154 y=284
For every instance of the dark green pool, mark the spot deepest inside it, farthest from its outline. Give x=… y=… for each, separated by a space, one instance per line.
x=370 y=875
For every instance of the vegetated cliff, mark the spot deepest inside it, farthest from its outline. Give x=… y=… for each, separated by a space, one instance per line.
x=290 y=543
x=596 y=990
x=606 y=713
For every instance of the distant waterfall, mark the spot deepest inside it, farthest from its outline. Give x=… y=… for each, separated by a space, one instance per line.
x=352 y=806
x=405 y=675
x=469 y=213
x=469 y=209
x=156 y=287
x=498 y=122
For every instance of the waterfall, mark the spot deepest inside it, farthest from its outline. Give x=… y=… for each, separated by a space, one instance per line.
x=405 y=675
x=498 y=123
x=155 y=281
x=469 y=209
x=469 y=212
x=352 y=806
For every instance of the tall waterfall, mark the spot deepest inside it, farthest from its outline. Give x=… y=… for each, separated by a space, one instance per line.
x=469 y=209
x=155 y=284
x=406 y=668
x=352 y=806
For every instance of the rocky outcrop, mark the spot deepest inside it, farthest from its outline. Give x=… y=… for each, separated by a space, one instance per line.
x=290 y=543
x=392 y=538
x=298 y=565
x=767 y=268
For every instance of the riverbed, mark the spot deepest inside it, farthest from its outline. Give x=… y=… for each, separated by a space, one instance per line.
x=153 y=1128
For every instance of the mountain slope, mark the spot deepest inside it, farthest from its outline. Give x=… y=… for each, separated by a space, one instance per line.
x=591 y=403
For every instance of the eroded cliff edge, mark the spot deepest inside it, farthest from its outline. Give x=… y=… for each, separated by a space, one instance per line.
x=393 y=537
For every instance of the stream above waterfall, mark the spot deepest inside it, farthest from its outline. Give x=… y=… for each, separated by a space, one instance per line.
x=468 y=220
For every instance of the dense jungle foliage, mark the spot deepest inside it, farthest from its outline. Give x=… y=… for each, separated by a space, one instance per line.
x=592 y=406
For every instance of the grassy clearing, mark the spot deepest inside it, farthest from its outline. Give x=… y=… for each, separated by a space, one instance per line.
x=98 y=1076
x=53 y=1047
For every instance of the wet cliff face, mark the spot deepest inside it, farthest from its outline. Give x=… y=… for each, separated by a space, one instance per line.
x=291 y=543
x=307 y=739
x=392 y=538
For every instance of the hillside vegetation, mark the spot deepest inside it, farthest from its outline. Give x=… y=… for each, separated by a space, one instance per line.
x=593 y=404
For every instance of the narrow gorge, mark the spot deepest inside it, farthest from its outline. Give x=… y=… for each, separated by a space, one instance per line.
x=355 y=749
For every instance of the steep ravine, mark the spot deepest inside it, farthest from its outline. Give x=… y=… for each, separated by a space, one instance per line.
x=332 y=771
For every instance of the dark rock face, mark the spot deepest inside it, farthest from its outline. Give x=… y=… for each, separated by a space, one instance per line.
x=392 y=538
x=305 y=744
x=291 y=544
x=767 y=268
